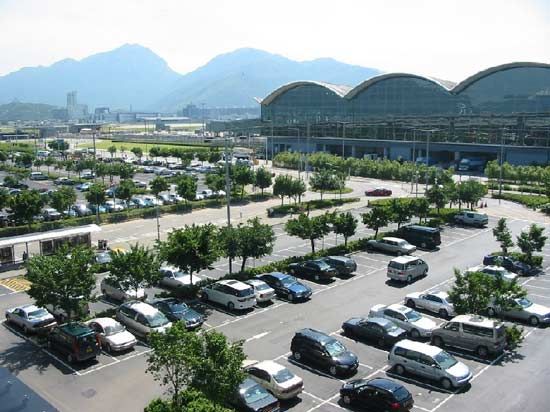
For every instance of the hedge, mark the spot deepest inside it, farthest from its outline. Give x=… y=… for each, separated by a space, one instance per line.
x=311 y=205
x=531 y=201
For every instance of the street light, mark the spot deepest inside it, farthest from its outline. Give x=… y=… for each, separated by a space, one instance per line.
x=501 y=162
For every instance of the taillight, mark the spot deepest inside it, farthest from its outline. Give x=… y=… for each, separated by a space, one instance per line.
x=395 y=405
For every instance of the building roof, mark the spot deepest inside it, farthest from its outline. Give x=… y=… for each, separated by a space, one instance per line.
x=340 y=90
x=50 y=235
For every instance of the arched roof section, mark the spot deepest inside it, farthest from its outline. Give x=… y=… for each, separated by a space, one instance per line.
x=376 y=79
x=338 y=90
x=484 y=73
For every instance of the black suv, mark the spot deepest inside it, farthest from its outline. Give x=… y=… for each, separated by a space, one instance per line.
x=421 y=236
x=377 y=394
x=313 y=269
x=76 y=341
x=311 y=346
x=512 y=265
x=343 y=264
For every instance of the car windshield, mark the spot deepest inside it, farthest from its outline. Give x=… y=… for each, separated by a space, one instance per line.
x=289 y=280
x=178 y=307
x=112 y=329
x=445 y=360
x=335 y=348
x=37 y=313
x=156 y=320
x=262 y=286
x=401 y=394
x=524 y=303
x=283 y=375
x=255 y=394
x=412 y=315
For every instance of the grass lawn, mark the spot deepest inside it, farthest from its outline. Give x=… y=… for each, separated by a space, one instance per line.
x=335 y=192
x=140 y=127
x=105 y=144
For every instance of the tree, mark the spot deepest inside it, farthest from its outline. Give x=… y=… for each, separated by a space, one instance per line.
x=376 y=218
x=229 y=243
x=242 y=176
x=344 y=224
x=49 y=161
x=311 y=228
x=112 y=150
x=187 y=187
x=26 y=205
x=437 y=196
x=215 y=182
x=64 y=280
x=503 y=235
x=126 y=189
x=124 y=170
x=59 y=145
x=471 y=192
x=400 y=211
x=297 y=189
x=96 y=196
x=192 y=248
x=101 y=170
x=63 y=198
x=10 y=181
x=137 y=151
x=263 y=179
x=4 y=198
x=531 y=241
x=138 y=267
x=255 y=240
x=214 y=156
x=202 y=156
x=420 y=207
x=322 y=181
x=282 y=186
x=158 y=184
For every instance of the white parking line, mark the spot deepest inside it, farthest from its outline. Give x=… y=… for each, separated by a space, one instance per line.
x=538 y=287
x=539 y=296
x=313 y=370
x=420 y=383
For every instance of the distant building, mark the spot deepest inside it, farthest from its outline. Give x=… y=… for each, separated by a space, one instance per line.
x=75 y=111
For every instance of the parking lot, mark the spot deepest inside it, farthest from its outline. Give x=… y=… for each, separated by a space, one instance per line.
x=268 y=330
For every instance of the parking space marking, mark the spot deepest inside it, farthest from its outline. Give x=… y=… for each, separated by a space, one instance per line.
x=537 y=287
x=313 y=370
x=539 y=296
x=420 y=383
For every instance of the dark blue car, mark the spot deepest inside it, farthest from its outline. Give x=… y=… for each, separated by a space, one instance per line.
x=286 y=286
x=511 y=265
x=179 y=311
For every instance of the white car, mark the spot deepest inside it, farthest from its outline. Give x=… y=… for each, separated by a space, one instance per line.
x=230 y=293
x=277 y=379
x=110 y=289
x=436 y=302
x=112 y=335
x=31 y=318
x=113 y=206
x=496 y=271
x=262 y=291
x=406 y=318
x=172 y=277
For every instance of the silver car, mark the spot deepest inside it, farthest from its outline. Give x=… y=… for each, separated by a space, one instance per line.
x=406 y=318
x=263 y=292
x=525 y=310
x=110 y=289
x=173 y=277
x=112 y=335
x=392 y=245
x=436 y=302
x=31 y=318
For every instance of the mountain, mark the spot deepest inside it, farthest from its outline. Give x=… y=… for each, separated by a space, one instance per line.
x=236 y=78
x=26 y=111
x=129 y=75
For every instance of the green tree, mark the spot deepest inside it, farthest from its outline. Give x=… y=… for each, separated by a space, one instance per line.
x=309 y=228
x=243 y=176
x=158 y=185
x=64 y=280
x=112 y=150
x=214 y=156
x=400 y=211
x=437 y=196
x=10 y=181
x=344 y=224
x=101 y=170
x=297 y=189
x=124 y=170
x=420 y=207
x=323 y=181
x=215 y=182
x=202 y=156
x=49 y=162
x=255 y=240
x=263 y=179
x=192 y=249
x=282 y=187
x=4 y=198
x=229 y=243
x=186 y=187
x=503 y=235
x=26 y=205
x=376 y=218
x=126 y=189
x=96 y=196
x=137 y=151
x=471 y=192
x=63 y=198
x=531 y=241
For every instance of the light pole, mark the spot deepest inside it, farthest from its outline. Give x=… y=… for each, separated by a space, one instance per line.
x=501 y=162
x=228 y=191
x=428 y=157
x=299 y=151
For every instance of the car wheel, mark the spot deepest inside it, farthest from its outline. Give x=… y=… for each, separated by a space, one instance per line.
x=410 y=303
x=409 y=279
x=26 y=330
x=491 y=312
x=437 y=341
x=332 y=370
x=400 y=370
x=534 y=321
x=108 y=348
x=231 y=306
x=346 y=399
x=446 y=384
x=289 y=297
x=297 y=356
x=70 y=358
x=482 y=352
x=415 y=334
x=443 y=313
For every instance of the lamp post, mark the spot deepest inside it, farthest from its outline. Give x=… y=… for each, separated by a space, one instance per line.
x=501 y=162
x=299 y=151
x=228 y=190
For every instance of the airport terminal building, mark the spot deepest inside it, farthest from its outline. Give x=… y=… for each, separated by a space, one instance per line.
x=400 y=115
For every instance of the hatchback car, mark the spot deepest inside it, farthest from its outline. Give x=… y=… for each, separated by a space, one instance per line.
x=436 y=302
x=391 y=245
x=31 y=318
x=512 y=265
x=277 y=379
x=230 y=293
x=253 y=397
x=263 y=292
x=74 y=340
x=381 y=331
x=313 y=269
x=413 y=322
x=342 y=264
x=286 y=286
x=178 y=311
x=377 y=394
x=112 y=335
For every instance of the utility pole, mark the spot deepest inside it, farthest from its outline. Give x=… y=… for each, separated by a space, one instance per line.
x=308 y=132
x=501 y=162
x=228 y=192
x=343 y=141
x=428 y=157
x=95 y=176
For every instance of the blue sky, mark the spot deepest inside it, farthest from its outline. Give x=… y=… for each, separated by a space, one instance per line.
x=444 y=38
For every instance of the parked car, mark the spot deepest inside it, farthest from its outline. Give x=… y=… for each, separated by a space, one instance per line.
x=87 y=175
x=436 y=302
x=472 y=333
x=112 y=335
x=429 y=362
x=63 y=181
x=139 y=184
x=286 y=286
x=381 y=331
x=421 y=236
x=253 y=397
x=379 y=394
x=262 y=291
x=342 y=264
x=177 y=311
x=166 y=199
x=50 y=214
x=277 y=379
x=391 y=245
x=94 y=208
x=472 y=218
x=138 y=202
x=148 y=169
x=111 y=192
x=512 y=265
x=74 y=340
x=152 y=201
x=495 y=271
x=522 y=309
x=407 y=268
x=112 y=206
x=38 y=176
x=317 y=348
x=230 y=293
x=406 y=318
x=81 y=210
x=31 y=318
x=173 y=277
x=313 y=269
x=61 y=316
x=142 y=318
x=110 y=289
x=379 y=191
x=83 y=187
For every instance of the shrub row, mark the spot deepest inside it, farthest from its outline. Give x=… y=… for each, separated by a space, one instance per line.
x=522 y=189
x=532 y=201
x=311 y=205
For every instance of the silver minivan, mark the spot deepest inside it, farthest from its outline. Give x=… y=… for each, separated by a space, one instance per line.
x=407 y=268
x=142 y=318
x=429 y=362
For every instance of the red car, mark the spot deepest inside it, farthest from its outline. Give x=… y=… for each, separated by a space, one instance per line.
x=378 y=192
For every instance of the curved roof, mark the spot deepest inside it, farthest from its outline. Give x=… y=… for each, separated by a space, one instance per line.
x=339 y=90
x=487 y=72
x=373 y=80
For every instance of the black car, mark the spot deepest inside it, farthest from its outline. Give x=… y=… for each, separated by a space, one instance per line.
x=379 y=330
x=76 y=341
x=179 y=311
x=343 y=264
x=252 y=397
x=377 y=394
x=511 y=265
x=286 y=286
x=322 y=350
x=313 y=269
x=422 y=236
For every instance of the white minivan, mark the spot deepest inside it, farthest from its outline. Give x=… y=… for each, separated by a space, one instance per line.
x=142 y=318
x=230 y=293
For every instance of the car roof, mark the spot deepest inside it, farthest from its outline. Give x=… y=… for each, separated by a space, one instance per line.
x=476 y=320
x=421 y=228
x=404 y=259
x=418 y=346
x=105 y=321
x=28 y=308
x=395 y=239
x=439 y=294
x=385 y=384
x=315 y=334
x=235 y=284
x=339 y=257
x=141 y=307
x=278 y=275
x=255 y=282
x=269 y=366
x=380 y=321
x=247 y=384
x=399 y=308
x=76 y=329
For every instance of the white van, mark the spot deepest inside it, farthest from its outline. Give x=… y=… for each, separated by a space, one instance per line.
x=142 y=318
x=407 y=268
x=230 y=293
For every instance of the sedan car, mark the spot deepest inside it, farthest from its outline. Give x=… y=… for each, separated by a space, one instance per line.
x=379 y=330
x=313 y=269
x=173 y=277
x=512 y=265
x=523 y=309
x=392 y=245
x=31 y=318
x=495 y=271
x=277 y=379
x=63 y=181
x=263 y=292
x=286 y=286
x=436 y=302
x=179 y=311
x=252 y=397
x=406 y=318
x=378 y=394
x=343 y=264
x=109 y=288
x=112 y=335
x=49 y=214
x=140 y=184
x=379 y=191
x=83 y=187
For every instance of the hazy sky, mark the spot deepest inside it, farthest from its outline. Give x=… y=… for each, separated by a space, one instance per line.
x=449 y=39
